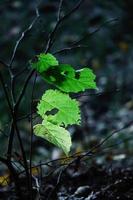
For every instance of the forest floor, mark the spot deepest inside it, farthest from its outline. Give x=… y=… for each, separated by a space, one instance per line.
x=92 y=183
x=83 y=182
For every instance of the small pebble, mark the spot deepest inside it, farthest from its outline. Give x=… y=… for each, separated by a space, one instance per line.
x=82 y=191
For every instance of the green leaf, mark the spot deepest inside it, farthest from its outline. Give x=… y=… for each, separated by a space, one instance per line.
x=44 y=61
x=57 y=109
x=67 y=109
x=54 y=134
x=65 y=78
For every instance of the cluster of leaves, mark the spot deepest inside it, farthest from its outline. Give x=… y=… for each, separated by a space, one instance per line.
x=56 y=108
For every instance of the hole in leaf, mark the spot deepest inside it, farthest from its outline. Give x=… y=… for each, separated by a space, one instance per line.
x=52 y=112
x=77 y=75
x=54 y=75
x=64 y=73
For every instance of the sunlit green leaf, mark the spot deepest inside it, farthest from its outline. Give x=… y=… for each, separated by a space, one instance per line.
x=54 y=134
x=65 y=78
x=58 y=109
x=43 y=62
x=67 y=109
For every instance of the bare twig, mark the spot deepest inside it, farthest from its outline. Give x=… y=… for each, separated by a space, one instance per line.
x=89 y=34
x=58 y=22
x=77 y=44
x=20 y=72
x=22 y=37
x=24 y=88
x=27 y=116
x=13 y=174
x=81 y=155
x=14 y=127
x=31 y=136
x=5 y=91
x=59 y=10
x=70 y=48
x=98 y=93
x=108 y=137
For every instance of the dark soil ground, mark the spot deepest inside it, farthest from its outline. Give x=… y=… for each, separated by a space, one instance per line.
x=89 y=183
x=93 y=183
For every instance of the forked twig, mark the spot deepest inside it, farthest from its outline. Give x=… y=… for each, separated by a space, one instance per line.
x=22 y=37
x=77 y=44
x=58 y=22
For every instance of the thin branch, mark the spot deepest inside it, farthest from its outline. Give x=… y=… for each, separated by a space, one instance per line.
x=10 y=142
x=15 y=127
x=22 y=37
x=105 y=149
x=3 y=160
x=31 y=127
x=70 y=49
x=20 y=72
x=23 y=155
x=59 y=10
x=27 y=116
x=98 y=93
x=58 y=22
x=14 y=120
x=24 y=88
x=5 y=91
x=108 y=137
x=89 y=34
x=77 y=44
x=81 y=155
x=13 y=174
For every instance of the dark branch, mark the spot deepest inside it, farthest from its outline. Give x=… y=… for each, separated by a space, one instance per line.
x=59 y=10
x=58 y=22
x=77 y=44
x=82 y=155
x=31 y=127
x=5 y=91
x=89 y=34
x=22 y=37
x=96 y=147
x=70 y=48
x=24 y=88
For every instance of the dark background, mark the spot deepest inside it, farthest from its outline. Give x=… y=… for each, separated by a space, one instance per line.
x=109 y=53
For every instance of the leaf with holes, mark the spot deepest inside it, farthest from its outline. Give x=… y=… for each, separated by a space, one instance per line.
x=66 y=110
x=65 y=78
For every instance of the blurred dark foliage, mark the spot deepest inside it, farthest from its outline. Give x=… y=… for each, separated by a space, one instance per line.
x=109 y=54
